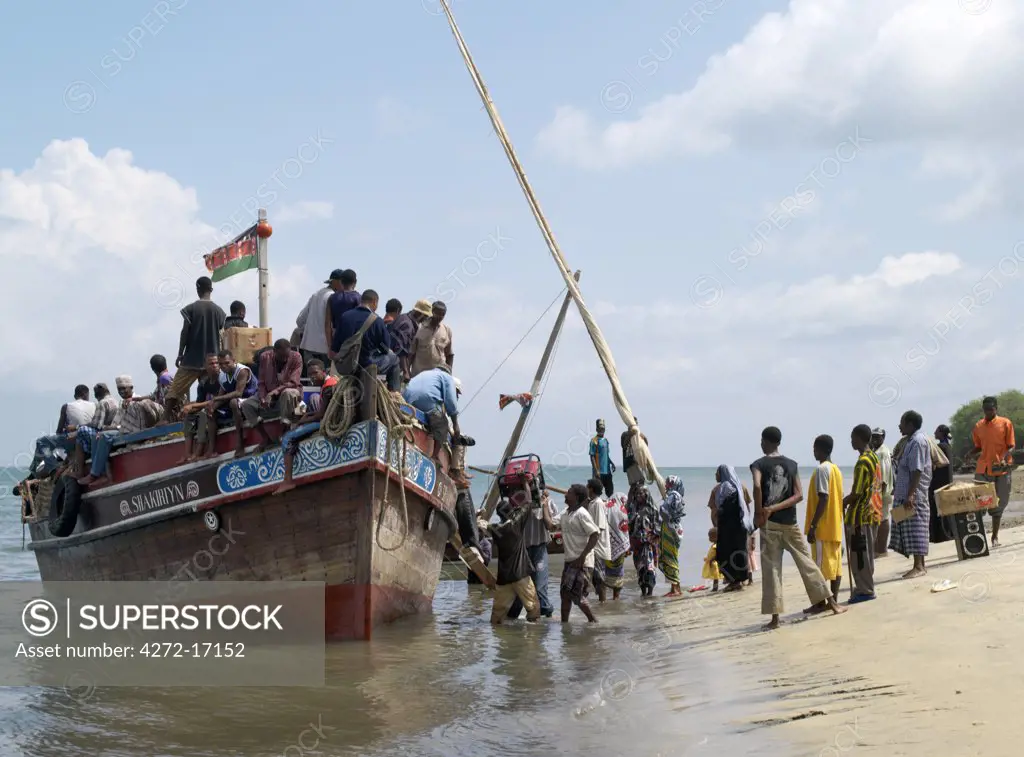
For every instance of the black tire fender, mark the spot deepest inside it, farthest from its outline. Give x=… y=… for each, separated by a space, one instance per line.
x=65 y=504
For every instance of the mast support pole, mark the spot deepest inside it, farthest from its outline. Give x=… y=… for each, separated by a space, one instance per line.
x=264 y=272
x=510 y=449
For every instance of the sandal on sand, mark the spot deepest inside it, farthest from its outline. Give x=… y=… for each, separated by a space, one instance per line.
x=702 y=587
x=857 y=598
x=944 y=585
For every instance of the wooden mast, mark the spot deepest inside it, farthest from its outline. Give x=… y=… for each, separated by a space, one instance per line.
x=510 y=449
x=640 y=449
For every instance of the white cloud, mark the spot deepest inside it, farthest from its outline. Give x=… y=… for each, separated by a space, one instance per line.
x=99 y=256
x=306 y=210
x=899 y=70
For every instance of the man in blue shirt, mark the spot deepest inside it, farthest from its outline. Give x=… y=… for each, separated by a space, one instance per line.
x=433 y=392
x=601 y=460
x=376 y=345
x=344 y=299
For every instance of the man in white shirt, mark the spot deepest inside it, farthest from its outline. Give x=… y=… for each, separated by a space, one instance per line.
x=885 y=462
x=579 y=536
x=72 y=415
x=596 y=506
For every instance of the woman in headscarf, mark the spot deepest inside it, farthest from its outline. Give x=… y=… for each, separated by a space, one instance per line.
x=618 y=537
x=644 y=536
x=672 y=512
x=731 y=515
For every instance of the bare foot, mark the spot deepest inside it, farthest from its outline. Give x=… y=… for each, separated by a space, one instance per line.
x=209 y=455
x=915 y=573
x=836 y=609
x=771 y=625
x=285 y=487
x=995 y=542
x=87 y=480
x=815 y=609
x=240 y=452
x=184 y=460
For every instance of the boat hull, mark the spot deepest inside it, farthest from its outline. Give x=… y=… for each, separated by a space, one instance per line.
x=380 y=561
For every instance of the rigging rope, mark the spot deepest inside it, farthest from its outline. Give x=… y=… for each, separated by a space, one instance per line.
x=640 y=449
x=465 y=407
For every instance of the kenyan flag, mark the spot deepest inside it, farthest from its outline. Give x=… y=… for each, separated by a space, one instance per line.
x=234 y=257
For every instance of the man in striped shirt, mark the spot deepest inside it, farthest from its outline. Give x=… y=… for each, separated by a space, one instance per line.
x=863 y=515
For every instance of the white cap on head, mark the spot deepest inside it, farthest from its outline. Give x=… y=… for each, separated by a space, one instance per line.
x=123 y=381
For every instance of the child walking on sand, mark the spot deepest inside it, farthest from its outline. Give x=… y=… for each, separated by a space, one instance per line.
x=711 y=570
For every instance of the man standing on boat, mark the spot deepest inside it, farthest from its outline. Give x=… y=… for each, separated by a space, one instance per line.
x=202 y=322
x=633 y=473
x=278 y=392
x=375 y=346
x=403 y=330
x=601 y=465
x=432 y=346
x=345 y=298
x=312 y=323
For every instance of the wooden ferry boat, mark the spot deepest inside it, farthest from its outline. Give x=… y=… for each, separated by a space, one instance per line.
x=217 y=519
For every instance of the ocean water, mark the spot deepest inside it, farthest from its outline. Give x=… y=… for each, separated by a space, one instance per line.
x=446 y=683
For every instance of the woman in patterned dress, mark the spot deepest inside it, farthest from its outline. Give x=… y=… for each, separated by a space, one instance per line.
x=672 y=512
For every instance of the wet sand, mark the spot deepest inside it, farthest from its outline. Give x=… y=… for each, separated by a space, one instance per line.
x=910 y=673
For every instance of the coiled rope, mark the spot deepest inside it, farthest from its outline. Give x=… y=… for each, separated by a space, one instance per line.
x=398 y=426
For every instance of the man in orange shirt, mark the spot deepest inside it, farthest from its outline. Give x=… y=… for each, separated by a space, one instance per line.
x=993 y=444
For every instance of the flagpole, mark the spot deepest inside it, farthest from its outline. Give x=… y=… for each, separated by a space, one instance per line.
x=261 y=258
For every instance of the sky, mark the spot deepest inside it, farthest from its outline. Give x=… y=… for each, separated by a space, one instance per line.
x=799 y=214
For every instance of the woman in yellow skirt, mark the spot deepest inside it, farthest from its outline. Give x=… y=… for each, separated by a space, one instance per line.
x=711 y=571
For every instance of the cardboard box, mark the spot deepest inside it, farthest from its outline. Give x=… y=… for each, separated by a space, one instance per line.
x=964 y=497
x=244 y=343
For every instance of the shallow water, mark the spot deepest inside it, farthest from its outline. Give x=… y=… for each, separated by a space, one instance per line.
x=441 y=684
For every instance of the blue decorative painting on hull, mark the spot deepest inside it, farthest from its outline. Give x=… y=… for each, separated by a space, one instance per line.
x=318 y=453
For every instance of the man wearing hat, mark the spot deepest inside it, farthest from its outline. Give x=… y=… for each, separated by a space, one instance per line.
x=311 y=322
x=601 y=463
x=884 y=455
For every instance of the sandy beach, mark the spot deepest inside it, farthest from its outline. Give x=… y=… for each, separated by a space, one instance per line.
x=911 y=673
